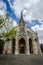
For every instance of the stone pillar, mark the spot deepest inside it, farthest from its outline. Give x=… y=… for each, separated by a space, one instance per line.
x=5 y=48
x=27 y=47
x=8 y=47
x=35 y=47
x=16 y=48
x=39 y=49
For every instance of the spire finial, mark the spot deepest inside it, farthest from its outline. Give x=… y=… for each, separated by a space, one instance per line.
x=21 y=14
x=22 y=22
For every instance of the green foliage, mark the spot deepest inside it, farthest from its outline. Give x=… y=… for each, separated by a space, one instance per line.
x=1 y=20
x=1 y=42
x=1 y=36
x=7 y=16
x=11 y=33
x=8 y=24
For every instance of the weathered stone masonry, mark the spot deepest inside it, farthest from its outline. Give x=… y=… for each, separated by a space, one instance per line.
x=26 y=41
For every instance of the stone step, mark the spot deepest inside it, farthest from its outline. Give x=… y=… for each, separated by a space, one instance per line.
x=21 y=59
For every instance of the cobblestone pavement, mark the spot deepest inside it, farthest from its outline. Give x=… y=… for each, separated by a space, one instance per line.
x=21 y=60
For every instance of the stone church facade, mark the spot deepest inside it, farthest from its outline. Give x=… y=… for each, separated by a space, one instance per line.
x=25 y=42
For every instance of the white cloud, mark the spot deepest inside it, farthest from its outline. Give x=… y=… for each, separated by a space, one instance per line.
x=40 y=35
x=2 y=8
x=35 y=28
x=2 y=13
x=14 y=23
x=30 y=8
x=38 y=10
x=39 y=29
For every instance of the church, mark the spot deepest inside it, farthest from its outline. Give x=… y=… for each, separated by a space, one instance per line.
x=25 y=42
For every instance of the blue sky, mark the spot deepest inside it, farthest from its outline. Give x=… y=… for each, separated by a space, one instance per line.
x=16 y=18
x=32 y=13
x=9 y=10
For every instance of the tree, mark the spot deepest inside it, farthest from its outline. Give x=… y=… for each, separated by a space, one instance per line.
x=7 y=27
x=1 y=21
x=11 y=33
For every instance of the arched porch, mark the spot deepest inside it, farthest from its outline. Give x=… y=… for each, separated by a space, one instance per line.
x=30 y=46
x=22 y=46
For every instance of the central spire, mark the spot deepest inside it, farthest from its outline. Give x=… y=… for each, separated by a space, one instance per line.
x=21 y=15
x=21 y=22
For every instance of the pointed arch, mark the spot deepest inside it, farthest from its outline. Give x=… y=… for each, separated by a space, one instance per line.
x=30 y=46
x=13 y=46
x=1 y=46
x=22 y=46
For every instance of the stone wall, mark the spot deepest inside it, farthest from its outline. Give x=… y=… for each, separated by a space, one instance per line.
x=7 y=47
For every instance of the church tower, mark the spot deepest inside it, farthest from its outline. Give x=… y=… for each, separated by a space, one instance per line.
x=22 y=38
x=21 y=23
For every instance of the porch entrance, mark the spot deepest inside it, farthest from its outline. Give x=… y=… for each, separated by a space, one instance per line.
x=22 y=46
x=13 y=46
x=30 y=46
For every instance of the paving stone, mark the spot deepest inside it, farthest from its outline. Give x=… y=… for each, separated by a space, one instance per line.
x=21 y=60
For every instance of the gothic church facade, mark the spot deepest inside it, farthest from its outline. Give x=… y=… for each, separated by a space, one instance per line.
x=25 y=42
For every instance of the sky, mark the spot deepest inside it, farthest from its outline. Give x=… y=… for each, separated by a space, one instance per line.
x=32 y=13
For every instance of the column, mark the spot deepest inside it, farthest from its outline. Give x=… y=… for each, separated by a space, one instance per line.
x=35 y=48
x=16 y=48
x=27 y=47
x=5 y=48
x=9 y=47
x=39 y=49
